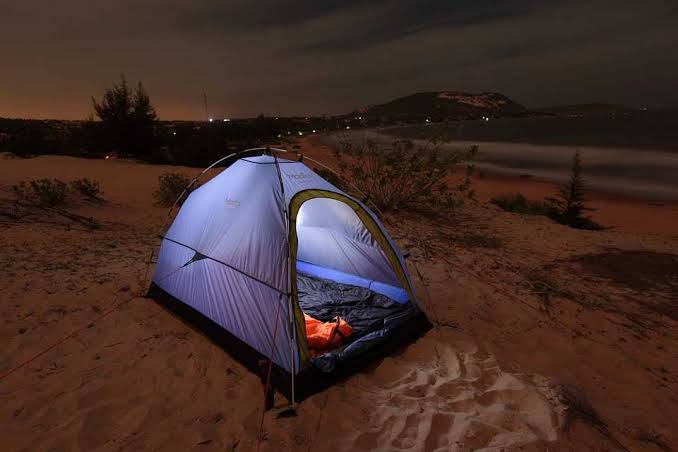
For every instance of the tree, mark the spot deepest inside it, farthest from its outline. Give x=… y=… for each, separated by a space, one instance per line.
x=127 y=118
x=568 y=206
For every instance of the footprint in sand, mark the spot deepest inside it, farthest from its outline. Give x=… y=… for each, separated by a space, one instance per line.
x=439 y=396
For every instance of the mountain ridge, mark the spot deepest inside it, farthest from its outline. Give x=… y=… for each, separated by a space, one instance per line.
x=440 y=105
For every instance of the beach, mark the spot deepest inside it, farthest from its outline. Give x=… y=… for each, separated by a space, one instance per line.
x=544 y=337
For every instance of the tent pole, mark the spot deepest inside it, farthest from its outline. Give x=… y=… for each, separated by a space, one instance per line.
x=291 y=324
x=292 y=340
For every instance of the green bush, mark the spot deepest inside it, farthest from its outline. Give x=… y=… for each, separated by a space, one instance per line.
x=400 y=174
x=170 y=186
x=87 y=187
x=41 y=192
x=517 y=203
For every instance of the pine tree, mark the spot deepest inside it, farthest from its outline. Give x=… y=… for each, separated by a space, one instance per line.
x=127 y=118
x=143 y=123
x=568 y=206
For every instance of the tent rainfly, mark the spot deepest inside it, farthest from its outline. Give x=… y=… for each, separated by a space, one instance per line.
x=268 y=241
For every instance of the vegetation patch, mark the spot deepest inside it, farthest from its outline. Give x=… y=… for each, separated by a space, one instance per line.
x=518 y=203
x=400 y=175
x=170 y=187
x=54 y=193
x=567 y=207
x=41 y=192
x=89 y=188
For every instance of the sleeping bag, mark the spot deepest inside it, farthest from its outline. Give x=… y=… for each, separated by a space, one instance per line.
x=325 y=336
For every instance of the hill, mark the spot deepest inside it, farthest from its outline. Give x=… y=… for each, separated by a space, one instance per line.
x=442 y=105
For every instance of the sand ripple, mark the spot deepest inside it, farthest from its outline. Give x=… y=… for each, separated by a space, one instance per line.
x=447 y=396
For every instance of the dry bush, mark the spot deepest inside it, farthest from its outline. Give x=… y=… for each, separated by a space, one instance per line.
x=41 y=192
x=87 y=187
x=518 y=203
x=401 y=175
x=170 y=186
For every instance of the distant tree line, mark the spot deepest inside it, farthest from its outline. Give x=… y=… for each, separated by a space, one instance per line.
x=126 y=125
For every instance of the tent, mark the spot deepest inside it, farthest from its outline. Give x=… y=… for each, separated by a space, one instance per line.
x=268 y=240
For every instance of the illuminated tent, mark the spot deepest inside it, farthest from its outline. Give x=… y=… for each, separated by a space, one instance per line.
x=268 y=239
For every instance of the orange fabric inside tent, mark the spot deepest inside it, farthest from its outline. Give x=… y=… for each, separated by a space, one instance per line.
x=325 y=336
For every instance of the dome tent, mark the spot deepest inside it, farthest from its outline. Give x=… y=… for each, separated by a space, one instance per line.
x=268 y=240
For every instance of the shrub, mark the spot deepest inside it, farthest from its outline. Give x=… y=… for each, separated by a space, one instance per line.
x=87 y=187
x=41 y=192
x=517 y=203
x=401 y=175
x=170 y=186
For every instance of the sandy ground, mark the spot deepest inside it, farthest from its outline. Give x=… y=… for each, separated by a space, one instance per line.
x=546 y=338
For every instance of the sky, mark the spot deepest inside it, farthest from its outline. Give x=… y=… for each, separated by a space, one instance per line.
x=327 y=57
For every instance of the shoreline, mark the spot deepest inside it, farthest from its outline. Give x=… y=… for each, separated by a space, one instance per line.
x=648 y=174
x=633 y=213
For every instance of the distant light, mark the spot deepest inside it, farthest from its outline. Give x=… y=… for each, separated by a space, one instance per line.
x=108 y=156
x=428 y=120
x=288 y=133
x=348 y=127
x=313 y=131
x=211 y=119
x=174 y=133
x=227 y=120
x=279 y=136
x=360 y=117
x=276 y=117
x=300 y=133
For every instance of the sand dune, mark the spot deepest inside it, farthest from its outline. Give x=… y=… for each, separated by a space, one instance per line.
x=486 y=378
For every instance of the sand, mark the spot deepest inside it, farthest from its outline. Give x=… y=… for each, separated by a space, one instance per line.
x=545 y=338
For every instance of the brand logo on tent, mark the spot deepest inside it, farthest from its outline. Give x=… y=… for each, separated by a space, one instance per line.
x=300 y=176
x=232 y=203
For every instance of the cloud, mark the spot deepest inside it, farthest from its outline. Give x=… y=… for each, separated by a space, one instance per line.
x=328 y=57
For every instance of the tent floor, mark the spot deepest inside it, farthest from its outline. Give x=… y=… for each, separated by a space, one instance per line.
x=311 y=379
x=363 y=309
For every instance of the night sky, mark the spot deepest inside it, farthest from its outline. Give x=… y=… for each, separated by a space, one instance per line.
x=324 y=57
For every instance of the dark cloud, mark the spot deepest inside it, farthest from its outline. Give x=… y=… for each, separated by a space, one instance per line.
x=228 y=17
x=326 y=57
